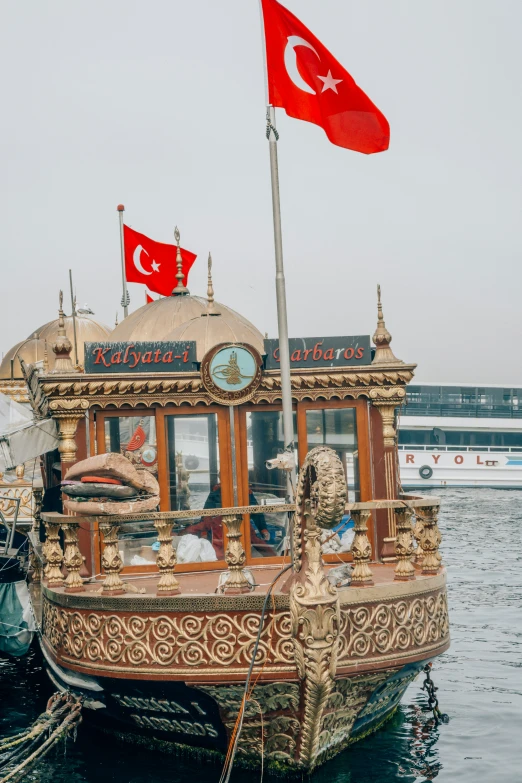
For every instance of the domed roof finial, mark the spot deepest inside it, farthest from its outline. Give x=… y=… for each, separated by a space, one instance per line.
x=62 y=346
x=382 y=338
x=210 y=287
x=116 y=320
x=180 y=288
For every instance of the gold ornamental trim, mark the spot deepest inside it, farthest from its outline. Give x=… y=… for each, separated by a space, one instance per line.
x=130 y=391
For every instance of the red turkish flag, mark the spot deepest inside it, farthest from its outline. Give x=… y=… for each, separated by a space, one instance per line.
x=307 y=82
x=153 y=263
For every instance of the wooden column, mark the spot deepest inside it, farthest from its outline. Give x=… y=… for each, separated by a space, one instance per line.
x=111 y=559
x=53 y=554
x=404 y=570
x=73 y=560
x=361 y=550
x=166 y=559
x=235 y=557
x=430 y=539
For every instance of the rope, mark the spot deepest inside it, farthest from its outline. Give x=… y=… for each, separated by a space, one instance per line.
x=236 y=732
x=62 y=716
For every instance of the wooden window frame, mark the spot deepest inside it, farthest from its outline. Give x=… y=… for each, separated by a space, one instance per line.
x=225 y=461
x=364 y=455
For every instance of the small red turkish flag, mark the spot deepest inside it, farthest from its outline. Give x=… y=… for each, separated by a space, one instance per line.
x=153 y=263
x=307 y=82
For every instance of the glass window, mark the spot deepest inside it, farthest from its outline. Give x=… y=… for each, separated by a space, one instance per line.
x=337 y=428
x=135 y=438
x=194 y=482
x=266 y=487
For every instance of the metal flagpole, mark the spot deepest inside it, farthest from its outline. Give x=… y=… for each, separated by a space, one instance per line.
x=282 y=321
x=125 y=299
x=73 y=308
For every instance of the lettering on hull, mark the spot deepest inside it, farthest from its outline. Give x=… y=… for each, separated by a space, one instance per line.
x=177 y=726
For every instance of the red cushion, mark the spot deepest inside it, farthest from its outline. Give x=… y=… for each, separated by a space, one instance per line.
x=100 y=480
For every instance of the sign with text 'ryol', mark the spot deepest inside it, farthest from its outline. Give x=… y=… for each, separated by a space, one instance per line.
x=321 y=351
x=139 y=357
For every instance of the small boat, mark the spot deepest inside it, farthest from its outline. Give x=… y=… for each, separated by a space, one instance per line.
x=17 y=623
x=229 y=645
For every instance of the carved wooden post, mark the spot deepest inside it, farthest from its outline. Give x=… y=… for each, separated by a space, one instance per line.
x=235 y=557
x=166 y=559
x=417 y=531
x=53 y=555
x=73 y=560
x=404 y=570
x=361 y=550
x=36 y=565
x=111 y=559
x=430 y=539
x=37 y=508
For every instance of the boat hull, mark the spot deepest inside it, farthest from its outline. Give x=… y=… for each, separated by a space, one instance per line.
x=173 y=669
x=421 y=468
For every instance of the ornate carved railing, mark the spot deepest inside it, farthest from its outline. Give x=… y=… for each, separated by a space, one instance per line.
x=166 y=524
x=424 y=557
x=29 y=496
x=424 y=532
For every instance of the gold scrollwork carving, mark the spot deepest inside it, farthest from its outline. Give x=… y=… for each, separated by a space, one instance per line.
x=343 y=707
x=263 y=732
x=395 y=627
x=220 y=640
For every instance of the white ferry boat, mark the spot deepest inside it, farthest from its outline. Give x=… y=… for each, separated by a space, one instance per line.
x=461 y=436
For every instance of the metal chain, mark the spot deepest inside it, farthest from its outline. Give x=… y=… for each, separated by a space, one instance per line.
x=433 y=703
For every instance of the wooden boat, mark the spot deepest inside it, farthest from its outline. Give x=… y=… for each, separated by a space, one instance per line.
x=162 y=647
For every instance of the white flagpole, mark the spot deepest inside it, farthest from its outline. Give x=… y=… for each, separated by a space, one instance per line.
x=282 y=319
x=125 y=299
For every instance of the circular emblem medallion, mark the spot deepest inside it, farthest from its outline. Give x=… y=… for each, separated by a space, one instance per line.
x=231 y=373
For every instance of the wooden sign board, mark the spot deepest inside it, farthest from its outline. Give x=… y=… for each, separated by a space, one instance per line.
x=153 y=357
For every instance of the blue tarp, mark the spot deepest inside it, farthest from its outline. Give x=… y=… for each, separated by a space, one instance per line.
x=17 y=623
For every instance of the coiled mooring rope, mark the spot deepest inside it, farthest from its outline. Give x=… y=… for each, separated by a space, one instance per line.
x=61 y=718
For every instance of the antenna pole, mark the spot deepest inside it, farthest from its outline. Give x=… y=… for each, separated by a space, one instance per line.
x=282 y=320
x=73 y=310
x=125 y=299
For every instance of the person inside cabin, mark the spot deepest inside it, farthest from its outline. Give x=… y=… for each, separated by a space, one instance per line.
x=212 y=527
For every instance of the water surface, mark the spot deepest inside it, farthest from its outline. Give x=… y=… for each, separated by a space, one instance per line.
x=479 y=680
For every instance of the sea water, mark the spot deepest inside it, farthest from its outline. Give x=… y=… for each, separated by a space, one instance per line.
x=479 y=681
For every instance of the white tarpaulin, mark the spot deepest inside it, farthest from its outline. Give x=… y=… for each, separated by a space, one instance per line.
x=22 y=437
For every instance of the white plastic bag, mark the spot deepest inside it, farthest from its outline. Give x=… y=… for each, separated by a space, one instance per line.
x=192 y=549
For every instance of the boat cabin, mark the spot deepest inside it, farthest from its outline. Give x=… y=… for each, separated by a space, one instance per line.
x=190 y=390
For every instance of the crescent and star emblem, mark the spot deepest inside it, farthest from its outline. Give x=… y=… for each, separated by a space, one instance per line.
x=290 y=56
x=136 y=257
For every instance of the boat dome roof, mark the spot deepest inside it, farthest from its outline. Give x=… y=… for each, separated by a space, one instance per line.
x=31 y=350
x=87 y=330
x=184 y=317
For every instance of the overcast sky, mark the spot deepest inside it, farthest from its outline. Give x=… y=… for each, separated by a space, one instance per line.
x=161 y=105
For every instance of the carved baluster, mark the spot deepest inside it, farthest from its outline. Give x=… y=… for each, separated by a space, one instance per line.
x=235 y=558
x=53 y=554
x=361 y=550
x=37 y=508
x=36 y=565
x=166 y=559
x=404 y=569
x=418 y=527
x=430 y=539
x=72 y=559
x=111 y=559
